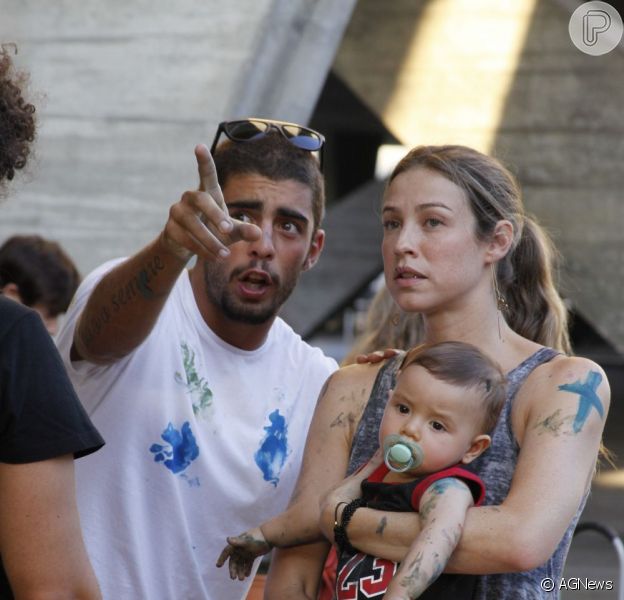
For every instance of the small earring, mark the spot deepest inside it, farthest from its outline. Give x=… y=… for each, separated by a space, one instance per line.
x=501 y=303
x=396 y=318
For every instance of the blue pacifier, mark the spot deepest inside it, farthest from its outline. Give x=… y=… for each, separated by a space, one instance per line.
x=401 y=454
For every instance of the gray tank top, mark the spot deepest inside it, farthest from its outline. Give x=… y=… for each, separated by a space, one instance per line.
x=496 y=467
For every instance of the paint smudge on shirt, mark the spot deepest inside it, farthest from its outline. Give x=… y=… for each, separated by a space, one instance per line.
x=273 y=451
x=196 y=386
x=192 y=481
x=181 y=450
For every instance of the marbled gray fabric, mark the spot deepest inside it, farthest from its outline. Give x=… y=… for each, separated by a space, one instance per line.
x=496 y=467
x=366 y=438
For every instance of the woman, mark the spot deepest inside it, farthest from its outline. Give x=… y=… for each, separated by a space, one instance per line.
x=459 y=249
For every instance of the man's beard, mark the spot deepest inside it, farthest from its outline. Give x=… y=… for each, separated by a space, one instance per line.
x=246 y=312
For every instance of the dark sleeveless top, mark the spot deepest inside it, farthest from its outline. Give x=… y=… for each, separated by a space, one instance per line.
x=495 y=467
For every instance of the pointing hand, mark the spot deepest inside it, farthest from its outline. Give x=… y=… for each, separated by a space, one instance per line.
x=199 y=223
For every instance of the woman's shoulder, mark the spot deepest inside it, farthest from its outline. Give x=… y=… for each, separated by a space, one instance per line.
x=352 y=384
x=567 y=373
x=560 y=393
x=580 y=372
x=565 y=368
x=356 y=375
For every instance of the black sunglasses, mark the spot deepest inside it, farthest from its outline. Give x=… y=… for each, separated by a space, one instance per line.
x=247 y=130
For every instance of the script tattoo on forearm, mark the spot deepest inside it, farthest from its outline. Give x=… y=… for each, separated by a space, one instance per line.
x=96 y=324
x=137 y=286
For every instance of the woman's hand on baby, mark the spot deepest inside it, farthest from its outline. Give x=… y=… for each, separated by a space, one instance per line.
x=370 y=467
x=242 y=550
x=348 y=489
x=376 y=357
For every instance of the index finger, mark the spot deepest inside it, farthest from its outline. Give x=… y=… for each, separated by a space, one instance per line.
x=208 y=181
x=225 y=554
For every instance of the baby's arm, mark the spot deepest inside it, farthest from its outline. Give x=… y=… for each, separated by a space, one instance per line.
x=281 y=531
x=285 y=530
x=442 y=511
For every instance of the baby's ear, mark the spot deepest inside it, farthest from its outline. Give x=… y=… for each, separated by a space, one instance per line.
x=478 y=446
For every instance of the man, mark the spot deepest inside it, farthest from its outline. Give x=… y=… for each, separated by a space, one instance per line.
x=203 y=394
x=43 y=426
x=38 y=273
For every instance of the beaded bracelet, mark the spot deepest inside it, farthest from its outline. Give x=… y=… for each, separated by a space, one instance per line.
x=336 y=512
x=340 y=530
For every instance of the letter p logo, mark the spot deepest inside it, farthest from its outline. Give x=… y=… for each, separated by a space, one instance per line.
x=595 y=28
x=595 y=22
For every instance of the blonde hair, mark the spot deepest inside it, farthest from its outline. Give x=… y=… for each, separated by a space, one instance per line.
x=526 y=274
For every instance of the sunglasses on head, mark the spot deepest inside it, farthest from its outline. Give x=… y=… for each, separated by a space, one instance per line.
x=248 y=130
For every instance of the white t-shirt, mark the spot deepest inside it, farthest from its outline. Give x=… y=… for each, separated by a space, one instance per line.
x=203 y=440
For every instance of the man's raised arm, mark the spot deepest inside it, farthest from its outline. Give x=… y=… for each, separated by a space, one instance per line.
x=124 y=306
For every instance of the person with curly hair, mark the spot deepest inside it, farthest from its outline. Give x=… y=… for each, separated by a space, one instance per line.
x=43 y=426
x=17 y=119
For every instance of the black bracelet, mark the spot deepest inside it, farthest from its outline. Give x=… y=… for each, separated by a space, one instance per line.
x=340 y=531
x=336 y=512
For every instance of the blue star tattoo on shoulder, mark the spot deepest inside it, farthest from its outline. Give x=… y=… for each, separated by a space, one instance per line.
x=588 y=398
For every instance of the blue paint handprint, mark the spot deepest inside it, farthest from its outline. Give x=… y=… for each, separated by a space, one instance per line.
x=271 y=455
x=181 y=451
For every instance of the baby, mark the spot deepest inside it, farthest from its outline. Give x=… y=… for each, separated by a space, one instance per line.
x=446 y=400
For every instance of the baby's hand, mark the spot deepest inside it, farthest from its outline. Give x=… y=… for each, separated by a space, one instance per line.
x=242 y=550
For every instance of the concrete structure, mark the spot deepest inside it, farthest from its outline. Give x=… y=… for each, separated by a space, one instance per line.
x=125 y=90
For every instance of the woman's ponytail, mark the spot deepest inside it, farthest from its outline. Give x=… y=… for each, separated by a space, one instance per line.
x=536 y=310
